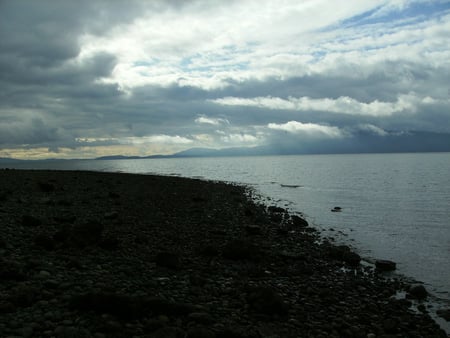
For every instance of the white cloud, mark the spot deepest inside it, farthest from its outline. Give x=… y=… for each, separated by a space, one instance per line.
x=211 y=120
x=310 y=129
x=159 y=139
x=207 y=46
x=373 y=129
x=240 y=139
x=342 y=105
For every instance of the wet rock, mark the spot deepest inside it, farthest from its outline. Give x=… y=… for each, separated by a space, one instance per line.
x=11 y=270
x=44 y=240
x=24 y=295
x=418 y=291
x=168 y=332
x=120 y=305
x=275 y=209
x=46 y=186
x=445 y=313
x=336 y=209
x=385 y=265
x=208 y=250
x=200 y=332
x=63 y=233
x=168 y=260
x=351 y=258
x=238 y=250
x=30 y=221
x=111 y=215
x=110 y=242
x=201 y=317
x=88 y=233
x=265 y=300
x=253 y=229
x=299 y=222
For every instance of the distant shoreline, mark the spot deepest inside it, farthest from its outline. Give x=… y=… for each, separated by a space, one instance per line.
x=94 y=253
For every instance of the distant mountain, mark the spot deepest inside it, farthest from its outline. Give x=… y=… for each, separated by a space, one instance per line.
x=9 y=160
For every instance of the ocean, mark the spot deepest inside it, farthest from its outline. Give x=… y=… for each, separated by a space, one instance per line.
x=394 y=206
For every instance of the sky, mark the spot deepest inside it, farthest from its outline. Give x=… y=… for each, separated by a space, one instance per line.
x=90 y=78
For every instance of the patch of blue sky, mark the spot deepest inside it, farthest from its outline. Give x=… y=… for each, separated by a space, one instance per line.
x=415 y=12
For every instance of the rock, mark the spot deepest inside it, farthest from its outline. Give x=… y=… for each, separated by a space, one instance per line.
x=445 y=313
x=44 y=240
x=111 y=215
x=418 y=291
x=63 y=233
x=208 y=250
x=385 y=265
x=24 y=295
x=168 y=260
x=168 y=332
x=337 y=252
x=30 y=221
x=200 y=332
x=265 y=300
x=11 y=270
x=46 y=186
x=72 y=332
x=299 y=222
x=238 y=250
x=336 y=209
x=253 y=229
x=120 y=305
x=201 y=317
x=109 y=242
x=88 y=233
x=275 y=209
x=351 y=258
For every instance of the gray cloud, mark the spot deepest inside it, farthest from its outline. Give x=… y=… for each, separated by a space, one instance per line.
x=160 y=76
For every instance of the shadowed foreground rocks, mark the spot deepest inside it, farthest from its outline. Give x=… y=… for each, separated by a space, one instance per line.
x=88 y=254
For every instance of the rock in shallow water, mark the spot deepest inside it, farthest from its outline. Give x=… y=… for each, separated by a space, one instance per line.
x=385 y=265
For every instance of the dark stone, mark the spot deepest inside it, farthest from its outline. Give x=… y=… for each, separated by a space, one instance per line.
x=418 y=291
x=111 y=215
x=351 y=258
x=208 y=250
x=24 y=295
x=200 y=332
x=445 y=313
x=120 y=305
x=46 y=186
x=30 y=221
x=168 y=260
x=10 y=270
x=168 y=332
x=88 y=233
x=265 y=300
x=201 y=317
x=390 y=325
x=44 y=240
x=385 y=265
x=63 y=233
x=230 y=333
x=336 y=209
x=275 y=209
x=253 y=229
x=337 y=252
x=109 y=242
x=65 y=219
x=238 y=250
x=299 y=222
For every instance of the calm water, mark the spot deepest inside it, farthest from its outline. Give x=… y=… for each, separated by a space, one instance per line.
x=395 y=206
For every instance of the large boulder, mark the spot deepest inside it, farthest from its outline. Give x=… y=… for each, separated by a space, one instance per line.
x=385 y=265
x=418 y=291
x=265 y=300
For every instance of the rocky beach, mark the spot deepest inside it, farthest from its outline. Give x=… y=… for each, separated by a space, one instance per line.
x=90 y=254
